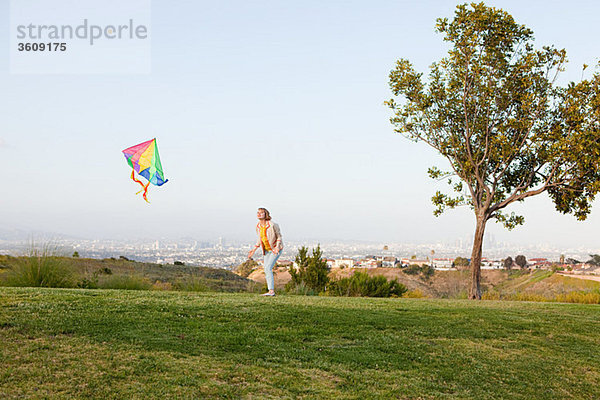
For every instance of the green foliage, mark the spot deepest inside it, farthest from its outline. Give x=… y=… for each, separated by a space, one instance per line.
x=245 y=268
x=594 y=260
x=76 y=254
x=40 y=268
x=582 y=297
x=312 y=270
x=557 y=267
x=575 y=296
x=192 y=284
x=88 y=283
x=91 y=282
x=125 y=282
x=460 y=262
x=412 y=269
x=492 y=110
x=360 y=284
x=426 y=271
x=521 y=261
x=508 y=263
x=105 y=270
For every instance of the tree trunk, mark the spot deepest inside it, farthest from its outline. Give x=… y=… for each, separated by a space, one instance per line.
x=475 y=291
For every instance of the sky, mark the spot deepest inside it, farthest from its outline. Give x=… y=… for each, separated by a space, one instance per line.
x=259 y=104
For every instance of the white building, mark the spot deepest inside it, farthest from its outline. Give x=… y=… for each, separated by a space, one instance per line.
x=343 y=263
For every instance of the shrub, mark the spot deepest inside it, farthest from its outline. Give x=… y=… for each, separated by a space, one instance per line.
x=105 y=270
x=530 y=297
x=556 y=267
x=414 y=294
x=427 y=271
x=126 y=282
x=158 y=285
x=361 y=284
x=490 y=296
x=412 y=269
x=88 y=283
x=592 y=297
x=40 y=268
x=192 y=283
x=312 y=270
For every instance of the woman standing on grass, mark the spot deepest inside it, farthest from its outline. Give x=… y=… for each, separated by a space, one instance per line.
x=269 y=240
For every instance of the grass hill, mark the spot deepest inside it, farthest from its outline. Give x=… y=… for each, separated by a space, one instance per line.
x=80 y=343
x=496 y=284
x=127 y=274
x=538 y=285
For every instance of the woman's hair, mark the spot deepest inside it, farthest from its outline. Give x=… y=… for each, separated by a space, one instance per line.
x=267 y=214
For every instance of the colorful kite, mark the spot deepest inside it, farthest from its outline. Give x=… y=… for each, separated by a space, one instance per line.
x=144 y=160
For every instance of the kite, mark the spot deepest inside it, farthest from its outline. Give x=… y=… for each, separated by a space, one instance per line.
x=144 y=160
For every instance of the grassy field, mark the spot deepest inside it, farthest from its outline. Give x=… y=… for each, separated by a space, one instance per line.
x=125 y=274
x=60 y=343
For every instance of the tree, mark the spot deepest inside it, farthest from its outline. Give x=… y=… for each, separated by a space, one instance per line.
x=75 y=254
x=521 y=261
x=492 y=110
x=595 y=260
x=460 y=262
x=312 y=270
x=508 y=262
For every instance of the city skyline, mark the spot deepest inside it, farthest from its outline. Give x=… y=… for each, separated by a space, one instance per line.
x=224 y=253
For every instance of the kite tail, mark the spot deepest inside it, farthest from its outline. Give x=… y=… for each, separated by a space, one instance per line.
x=146 y=192
x=144 y=187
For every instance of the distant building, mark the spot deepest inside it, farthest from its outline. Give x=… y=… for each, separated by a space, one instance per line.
x=443 y=263
x=368 y=263
x=539 y=263
x=491 y=264
x=389 y=262
x=419 y=262
x=343 y=263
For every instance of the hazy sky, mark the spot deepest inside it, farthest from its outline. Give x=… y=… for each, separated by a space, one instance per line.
x=274 y=104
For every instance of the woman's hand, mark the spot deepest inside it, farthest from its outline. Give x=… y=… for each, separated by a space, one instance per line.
x=251 y=253
x=276 y=250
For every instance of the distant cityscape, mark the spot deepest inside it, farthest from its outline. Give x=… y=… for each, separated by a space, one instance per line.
x=224 y=253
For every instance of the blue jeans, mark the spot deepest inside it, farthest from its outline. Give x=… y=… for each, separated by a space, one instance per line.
x=269 y=262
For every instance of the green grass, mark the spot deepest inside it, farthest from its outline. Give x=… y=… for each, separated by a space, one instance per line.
x=542 y=285
x=40 y=268
x=47 y=270
x=61 y=343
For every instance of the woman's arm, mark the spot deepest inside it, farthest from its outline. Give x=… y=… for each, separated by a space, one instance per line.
x=278 y=239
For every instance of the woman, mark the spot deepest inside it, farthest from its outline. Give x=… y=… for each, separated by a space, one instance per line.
x=269 y=240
